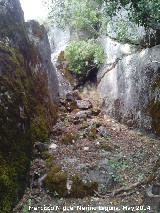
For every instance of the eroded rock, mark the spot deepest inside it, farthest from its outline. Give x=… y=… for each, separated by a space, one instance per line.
x=40 y=147
x=84 y=104
x=102 y=130
x=129 y=84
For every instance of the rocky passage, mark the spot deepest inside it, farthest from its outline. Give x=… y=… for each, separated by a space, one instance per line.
x=88 y=157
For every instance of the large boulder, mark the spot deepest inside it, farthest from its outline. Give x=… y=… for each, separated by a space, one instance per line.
x=38 y=35
x=27 y=113
x=129 y=85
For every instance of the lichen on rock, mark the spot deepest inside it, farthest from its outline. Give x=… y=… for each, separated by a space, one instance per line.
x=27 y=110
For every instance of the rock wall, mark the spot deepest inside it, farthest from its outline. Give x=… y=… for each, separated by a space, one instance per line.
x=38 y=35
x=27 y=112
x=129 y=84
x=58 y=40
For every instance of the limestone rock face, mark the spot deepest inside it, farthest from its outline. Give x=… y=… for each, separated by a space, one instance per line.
x=38 y=35
x=27 y=113
x=12 y=24
x=130 y=86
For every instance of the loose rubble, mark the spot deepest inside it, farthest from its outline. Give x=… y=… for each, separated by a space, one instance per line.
x=88 y=156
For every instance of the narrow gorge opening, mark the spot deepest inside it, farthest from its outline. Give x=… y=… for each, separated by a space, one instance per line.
x=69 y=71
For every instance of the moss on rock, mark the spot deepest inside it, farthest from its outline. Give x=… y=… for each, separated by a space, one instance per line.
x=49 y=158
x=56 y=184
x=27 y=114
x=56 y=181
x=92 y=133
x=81 y=189
x=64 y=69
x=154 y=109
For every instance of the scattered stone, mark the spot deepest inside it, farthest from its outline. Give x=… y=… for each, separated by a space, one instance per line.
x=97 y=143
x=69 y=185
x=70 y=97
x=86 y=148
x=71 y=105
x=130 y=123
x=96 y=111
x=103 y=132
x=84 y=104
x=101 y=173
x=69 y=138
x=152 y=197
x=59 y=128
x=76 y=95
x=62 y=101
x=40 y=147
x=83 y=114
x=53 y=146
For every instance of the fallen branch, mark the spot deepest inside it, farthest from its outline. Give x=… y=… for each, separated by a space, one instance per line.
x=119 y=191
x=102 y=196
x=126 y=194
x=149 y=180
x=112 y=66
x=125 y=189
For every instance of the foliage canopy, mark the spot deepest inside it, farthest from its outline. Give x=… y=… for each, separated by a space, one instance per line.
x=94 y=14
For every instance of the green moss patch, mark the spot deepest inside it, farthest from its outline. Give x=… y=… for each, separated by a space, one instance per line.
x=56 y=184
x=81 y=189
x=27 y=115
x=56 y=181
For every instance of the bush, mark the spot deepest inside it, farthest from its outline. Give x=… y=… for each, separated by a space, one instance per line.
x=84 y=57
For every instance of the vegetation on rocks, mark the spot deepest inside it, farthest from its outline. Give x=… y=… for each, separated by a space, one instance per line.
x=95 y=15
x=27 y=114
x=81 y=189
x=84 y=57
x=108 y=169
x=56 y=181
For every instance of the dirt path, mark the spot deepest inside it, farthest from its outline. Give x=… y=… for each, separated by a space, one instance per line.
x=89 y=145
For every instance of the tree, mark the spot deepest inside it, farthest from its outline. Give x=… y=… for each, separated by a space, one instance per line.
x=78 y=14
x=84 y=57
x=142 y=12
x=81 y=14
